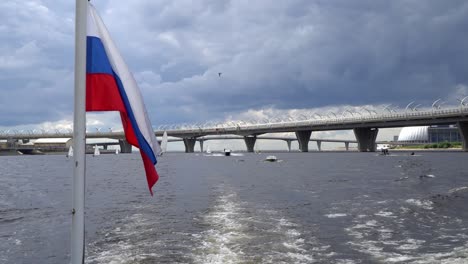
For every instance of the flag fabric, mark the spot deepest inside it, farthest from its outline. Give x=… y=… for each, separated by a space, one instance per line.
x=111 y=87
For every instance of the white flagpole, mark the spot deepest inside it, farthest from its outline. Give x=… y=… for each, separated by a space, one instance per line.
x=79 y=135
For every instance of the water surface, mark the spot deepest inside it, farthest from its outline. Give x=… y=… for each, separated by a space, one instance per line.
x=309 y=208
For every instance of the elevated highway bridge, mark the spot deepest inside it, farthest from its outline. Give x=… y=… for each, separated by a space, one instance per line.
x=365 y=129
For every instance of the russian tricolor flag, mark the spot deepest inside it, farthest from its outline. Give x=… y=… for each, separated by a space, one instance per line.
x=111 y=87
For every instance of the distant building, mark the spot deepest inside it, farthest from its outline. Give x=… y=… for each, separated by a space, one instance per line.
x=430 y=134
x=63 y=144
x=3 y=144
x=53 y=144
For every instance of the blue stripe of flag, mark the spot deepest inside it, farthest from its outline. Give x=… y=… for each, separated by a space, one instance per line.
x=96 y=57
x=144 y=145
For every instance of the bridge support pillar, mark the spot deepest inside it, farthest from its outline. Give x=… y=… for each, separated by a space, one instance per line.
x=303 y=137
x=346 y=144
x=366 y=138
x=189 y=144
x=319 y=145
x=463 y=128
x=201 y=145
x=125 y=147
x=250 y=142
x=289 y=145
x=12 y=143
x=105 y=147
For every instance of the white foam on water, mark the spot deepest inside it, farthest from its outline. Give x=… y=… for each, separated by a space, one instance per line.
x=411 y=244
x=300 y=258
x=220 y=244
x=404 y=209
x=459 y=189
x=385 y=233
x=382 y=202
x=458 y=255
x=345 y=261
x=372 y=223
x=214 y=155
x=121 y=245
x=385 y=214
x=425 y=204
x=233 y=229
x=335 y=215
x=292 y=233
x=398 y=258
x=354 y=233
x=283 y=222
x=384 y=248
x=293 y=248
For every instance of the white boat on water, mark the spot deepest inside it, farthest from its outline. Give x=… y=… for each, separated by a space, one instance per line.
x=164 y=143
x=383 y=148
x=70 y=152
x=96 y=151
x=227 y=152
x=116 y=151
x=271 y=158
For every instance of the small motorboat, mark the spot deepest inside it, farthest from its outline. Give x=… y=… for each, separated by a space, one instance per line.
x=164 y=141
x=227 y=152
x=96 y=151
x=271 y=158
x=70 y=152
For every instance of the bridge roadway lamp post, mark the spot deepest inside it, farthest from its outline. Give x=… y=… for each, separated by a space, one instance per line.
x=343 y=115
x=360 y=115
x=387 y=107
x=434 y=105
x=406 y=108
x=415 y=108
x=370 y=113
x=462 y=103
x=350 y=113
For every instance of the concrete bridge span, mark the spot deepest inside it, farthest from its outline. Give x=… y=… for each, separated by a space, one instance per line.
x=365 y=128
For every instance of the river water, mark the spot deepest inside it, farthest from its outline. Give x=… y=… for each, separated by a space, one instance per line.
x=308 y=208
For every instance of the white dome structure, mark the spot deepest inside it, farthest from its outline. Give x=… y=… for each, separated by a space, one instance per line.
x=414 y=134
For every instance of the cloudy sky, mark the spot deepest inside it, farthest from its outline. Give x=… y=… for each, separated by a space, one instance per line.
x=276 y=57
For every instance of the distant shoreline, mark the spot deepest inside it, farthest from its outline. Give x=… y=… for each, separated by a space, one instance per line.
x=428 y=150
x=11 y=153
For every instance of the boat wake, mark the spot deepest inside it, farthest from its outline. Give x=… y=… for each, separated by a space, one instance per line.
x=239 y=234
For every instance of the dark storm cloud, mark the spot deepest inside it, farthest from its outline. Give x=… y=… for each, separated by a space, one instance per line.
x=280 y=54
x=303 y=54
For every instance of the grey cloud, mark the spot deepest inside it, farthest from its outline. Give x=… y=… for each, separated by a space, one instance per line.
x=280 y=54
x=36 y=59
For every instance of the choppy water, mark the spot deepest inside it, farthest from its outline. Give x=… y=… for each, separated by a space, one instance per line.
x=309 y=208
